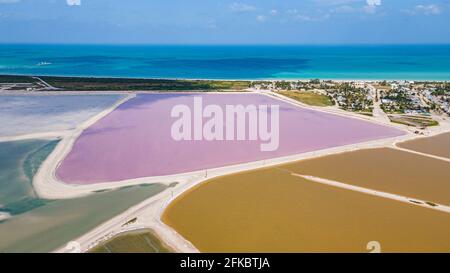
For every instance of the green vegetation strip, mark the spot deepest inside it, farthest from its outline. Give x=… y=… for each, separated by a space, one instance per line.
x=309 y=98
x=414 y=121
x=16 y=79
x=98 y=84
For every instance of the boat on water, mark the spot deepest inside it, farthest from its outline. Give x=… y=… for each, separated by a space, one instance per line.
x=43 y=63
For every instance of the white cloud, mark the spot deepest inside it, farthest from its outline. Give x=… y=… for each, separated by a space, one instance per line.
x=274 y=12
x=370 y=7
x=299 y=15
x=241 y=7
x=427 y=9
x=261 y=18
x=73 y=2
x=373 y=3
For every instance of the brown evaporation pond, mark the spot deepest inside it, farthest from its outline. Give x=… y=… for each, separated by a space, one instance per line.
x=270 y=210
x=438 y=145
x=385 y=169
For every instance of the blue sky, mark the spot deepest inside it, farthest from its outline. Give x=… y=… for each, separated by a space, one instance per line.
x=225 y=21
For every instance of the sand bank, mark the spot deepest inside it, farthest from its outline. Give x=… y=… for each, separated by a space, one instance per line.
x=387 y=170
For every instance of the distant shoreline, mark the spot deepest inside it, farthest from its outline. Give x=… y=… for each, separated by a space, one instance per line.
x=212 y=79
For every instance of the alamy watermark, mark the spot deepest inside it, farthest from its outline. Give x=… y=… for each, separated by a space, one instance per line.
x=229 y=123
x=374 y=247
x=73 y=247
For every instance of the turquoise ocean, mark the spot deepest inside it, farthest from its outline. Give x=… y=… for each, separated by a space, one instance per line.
x=408 y=62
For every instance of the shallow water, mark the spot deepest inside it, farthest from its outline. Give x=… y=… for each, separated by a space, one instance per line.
x=19 y=161
x=270 y=210
x=39 y=225
x=53 y=225
x=35 y=114
x=436 y=145
x=387 y=170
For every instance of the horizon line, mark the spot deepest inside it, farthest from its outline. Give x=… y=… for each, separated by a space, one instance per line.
x=227 y=44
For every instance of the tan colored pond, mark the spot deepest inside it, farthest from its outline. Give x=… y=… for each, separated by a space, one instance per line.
x=270 y=210
x=438 y=145
x=387 y=170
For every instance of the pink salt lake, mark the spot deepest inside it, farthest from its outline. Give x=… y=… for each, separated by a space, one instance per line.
x=135 y=139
